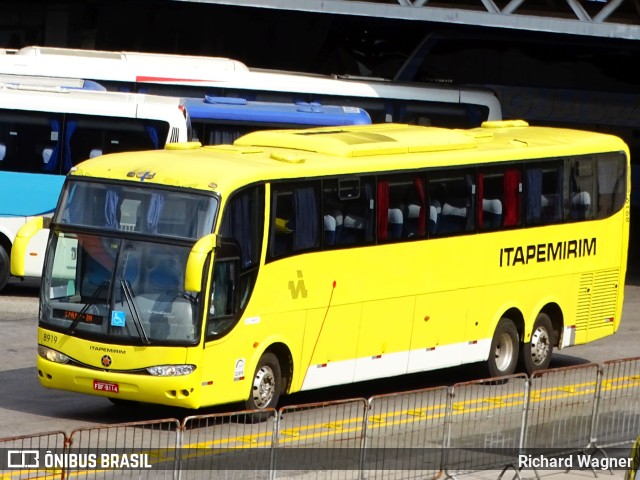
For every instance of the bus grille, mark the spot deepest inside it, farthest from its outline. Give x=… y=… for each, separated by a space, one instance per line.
x=175 y=135
x=597 y=296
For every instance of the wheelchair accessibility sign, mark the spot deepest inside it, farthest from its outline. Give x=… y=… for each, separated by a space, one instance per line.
x=117 y=318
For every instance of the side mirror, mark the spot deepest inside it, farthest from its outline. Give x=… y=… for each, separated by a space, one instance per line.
x=195 y=262
x=21 y=242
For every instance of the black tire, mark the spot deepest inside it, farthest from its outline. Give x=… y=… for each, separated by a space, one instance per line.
x=5 y=267
x=503 y=356
x=536 y=353
x=266 y=385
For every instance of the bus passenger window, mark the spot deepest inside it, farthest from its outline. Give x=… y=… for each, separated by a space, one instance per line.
x=89 y=136
x=401 y=208
x=348 y=212
x=451 y=200
x=223 y=303
x=499 y=198
x=544 y=187
x=295 y=219
x=243 y=222
x=30 y=140
x=581 y=189
x=611 y=184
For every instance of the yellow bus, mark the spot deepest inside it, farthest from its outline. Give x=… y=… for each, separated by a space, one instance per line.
x=295 y=260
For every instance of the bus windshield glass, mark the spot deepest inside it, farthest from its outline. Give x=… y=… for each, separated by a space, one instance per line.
x=142 y=209
x=123 y=291
x=118 y=259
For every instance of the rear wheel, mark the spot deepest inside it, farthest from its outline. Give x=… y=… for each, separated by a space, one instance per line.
x=536 y=353
x=503 y=356
x=5 y=266
x=266 y=385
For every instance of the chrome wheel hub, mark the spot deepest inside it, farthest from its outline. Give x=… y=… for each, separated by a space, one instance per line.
x=540 y=346
x=504 y=352
x=264 y=387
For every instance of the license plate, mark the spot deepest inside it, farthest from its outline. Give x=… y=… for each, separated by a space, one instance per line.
x=106 y=386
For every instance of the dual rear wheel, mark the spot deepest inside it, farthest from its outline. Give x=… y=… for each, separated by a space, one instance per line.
x=507 y=351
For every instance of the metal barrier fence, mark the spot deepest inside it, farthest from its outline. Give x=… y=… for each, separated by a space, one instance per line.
x=430 y=433
x=399 y=422
x=619 y=402
x=487 y=418
x=328 y=446
x=123 y=445
x=25 y=453
x=240 y=445
x=561 y=408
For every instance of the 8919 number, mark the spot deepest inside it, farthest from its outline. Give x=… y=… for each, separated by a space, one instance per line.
x=49 y=338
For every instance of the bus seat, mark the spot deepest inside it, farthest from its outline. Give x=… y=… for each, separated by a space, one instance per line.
x=95 y=279
x=46 y=155
x=544 y=201
x=132 y=269
x=339 y=225
x=491 y=213
x=181 y=322
x=3 y=151
x=283 y=238
x=329 y=230
x=452 y=219
x=580 y=203
x=165 y=276
x=352 y=228
x=435 y=210
x=95 y=152
x=96 y=274
x=411 y=222
x=396 y=221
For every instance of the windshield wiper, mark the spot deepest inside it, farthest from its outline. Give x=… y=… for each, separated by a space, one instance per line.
x=87 y=306
x=128 y=295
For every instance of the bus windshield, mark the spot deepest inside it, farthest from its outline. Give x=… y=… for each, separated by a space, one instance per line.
x=141 y=209
x=127 y=289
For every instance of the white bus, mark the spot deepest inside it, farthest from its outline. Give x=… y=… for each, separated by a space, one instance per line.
x=384 y=100
x=46 y=130
x=47 y=126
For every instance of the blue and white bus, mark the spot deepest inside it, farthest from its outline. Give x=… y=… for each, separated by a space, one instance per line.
x=196 y=76
x=217 y=120
x=46 y=130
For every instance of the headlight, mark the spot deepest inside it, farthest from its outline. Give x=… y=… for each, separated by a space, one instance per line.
x=52 y=355
x=171 y=370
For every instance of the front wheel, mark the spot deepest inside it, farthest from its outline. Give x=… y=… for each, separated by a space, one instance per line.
x=266 y=385
x=5 y=266
x=503 y=356
x=536 y=353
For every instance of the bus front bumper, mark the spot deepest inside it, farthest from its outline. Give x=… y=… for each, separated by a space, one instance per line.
x=178 y=391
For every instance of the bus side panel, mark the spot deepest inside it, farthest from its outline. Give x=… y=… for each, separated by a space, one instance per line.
x=229 y=364
x=440 y=338
x=384 y=339
x=330 y=346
